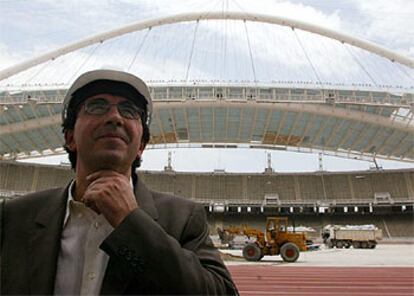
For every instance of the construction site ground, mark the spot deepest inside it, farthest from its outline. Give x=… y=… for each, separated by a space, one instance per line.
x=385 y=270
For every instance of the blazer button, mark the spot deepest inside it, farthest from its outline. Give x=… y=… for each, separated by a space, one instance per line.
x=128 y=255
x=122 y=250
x=138 y=264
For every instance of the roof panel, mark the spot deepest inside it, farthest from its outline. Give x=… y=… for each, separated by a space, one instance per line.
x=316 y=124
x=23 y=141
x=394 y=141
x=270 y=126
x=28 y=112
x=233 y=124
x=166 y=121
x=300 y=126
x=11 y=115
x=193 y=116
x=369 y=132
x=220 y=124
x=381 y=137
x=34 y=138
x=180 y=124
x=288 y=122
x=355 y=132
x=154 y=126
x=409 y=152
x=387 y=111
x=326 y=132
x=5 y=145
x=207 y=124
x=340 y=133
x=246 y=124
x=405 y=146
x=274 y=121
x=42 y=110
x=57 y=108
x=260 y=122
x=52 y=137
x=9 y=141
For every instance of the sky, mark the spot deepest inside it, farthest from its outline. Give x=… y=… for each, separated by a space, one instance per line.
x=33 y=27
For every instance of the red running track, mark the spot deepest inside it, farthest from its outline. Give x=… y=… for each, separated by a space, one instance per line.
x=290 y=280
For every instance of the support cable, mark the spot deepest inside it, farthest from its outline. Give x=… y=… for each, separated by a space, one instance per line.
x=361 y=66
x=55 y=69
x=124 y=47
x=248 y=40
x=307 y=57
x=84 y=62
x=204 y=15
x=192 y=51
x=224 y=44
x=139 y=49
x=251 y=53
x=241 y=8
x=38 y=72
x=406 y=73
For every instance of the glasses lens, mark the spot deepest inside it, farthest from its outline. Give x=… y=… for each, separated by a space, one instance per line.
x=128 y=110
x=97 y=106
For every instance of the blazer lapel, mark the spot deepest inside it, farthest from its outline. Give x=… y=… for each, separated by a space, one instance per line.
x=44 y=243
x=117 y=278
x=145 y=200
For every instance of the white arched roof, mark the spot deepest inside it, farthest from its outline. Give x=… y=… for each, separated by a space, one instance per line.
x=223 y=47
x=236 y=83
x=196 y=16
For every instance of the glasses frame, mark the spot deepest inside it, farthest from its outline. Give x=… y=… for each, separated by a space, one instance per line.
x=107 y=106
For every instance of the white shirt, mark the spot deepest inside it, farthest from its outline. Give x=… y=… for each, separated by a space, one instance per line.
x=81 y=264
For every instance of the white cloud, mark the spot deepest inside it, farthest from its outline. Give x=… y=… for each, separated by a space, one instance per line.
x=8 y=57
x=389 y=23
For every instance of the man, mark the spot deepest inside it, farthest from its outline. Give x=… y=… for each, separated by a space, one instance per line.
x=106 y=233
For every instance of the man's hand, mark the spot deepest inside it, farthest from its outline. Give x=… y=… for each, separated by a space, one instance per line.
x=110 y=193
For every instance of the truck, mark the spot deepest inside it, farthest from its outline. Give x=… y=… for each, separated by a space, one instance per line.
x=357 y=236
x=275 y=240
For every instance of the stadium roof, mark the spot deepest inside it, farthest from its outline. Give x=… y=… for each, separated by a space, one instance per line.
x=228 y=82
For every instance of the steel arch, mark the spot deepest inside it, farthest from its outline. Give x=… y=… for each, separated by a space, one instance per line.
x=194 y=16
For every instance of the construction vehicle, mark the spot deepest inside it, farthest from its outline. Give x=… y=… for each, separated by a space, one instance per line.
x=357 y=236
x=228 y=235
x=276 y=240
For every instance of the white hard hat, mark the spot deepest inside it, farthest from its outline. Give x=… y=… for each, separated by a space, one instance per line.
x=105 y=74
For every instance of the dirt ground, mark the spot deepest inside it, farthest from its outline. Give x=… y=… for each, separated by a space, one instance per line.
x=383 y=255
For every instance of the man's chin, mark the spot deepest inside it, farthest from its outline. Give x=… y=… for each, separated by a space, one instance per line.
x=111 y=161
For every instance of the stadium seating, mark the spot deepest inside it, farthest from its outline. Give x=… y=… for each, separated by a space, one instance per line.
x=383 y=198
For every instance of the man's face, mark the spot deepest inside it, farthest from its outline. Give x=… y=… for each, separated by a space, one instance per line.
x=105 y=142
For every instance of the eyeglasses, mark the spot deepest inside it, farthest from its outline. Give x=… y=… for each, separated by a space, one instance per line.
x=127 y=109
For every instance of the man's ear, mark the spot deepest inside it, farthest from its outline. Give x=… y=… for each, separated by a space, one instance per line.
x=70 y=140
x=140 y=151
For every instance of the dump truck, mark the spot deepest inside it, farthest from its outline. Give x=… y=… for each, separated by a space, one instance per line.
x=357 y=236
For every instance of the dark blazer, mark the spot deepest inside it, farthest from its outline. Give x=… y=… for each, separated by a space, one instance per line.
x=163 y=247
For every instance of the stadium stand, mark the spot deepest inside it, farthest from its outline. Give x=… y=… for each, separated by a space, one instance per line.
x=383 y=198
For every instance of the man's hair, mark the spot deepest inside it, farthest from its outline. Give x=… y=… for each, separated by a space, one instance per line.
x=117 y=89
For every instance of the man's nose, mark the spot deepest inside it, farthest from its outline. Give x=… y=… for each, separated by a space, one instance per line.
x=113 y=115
